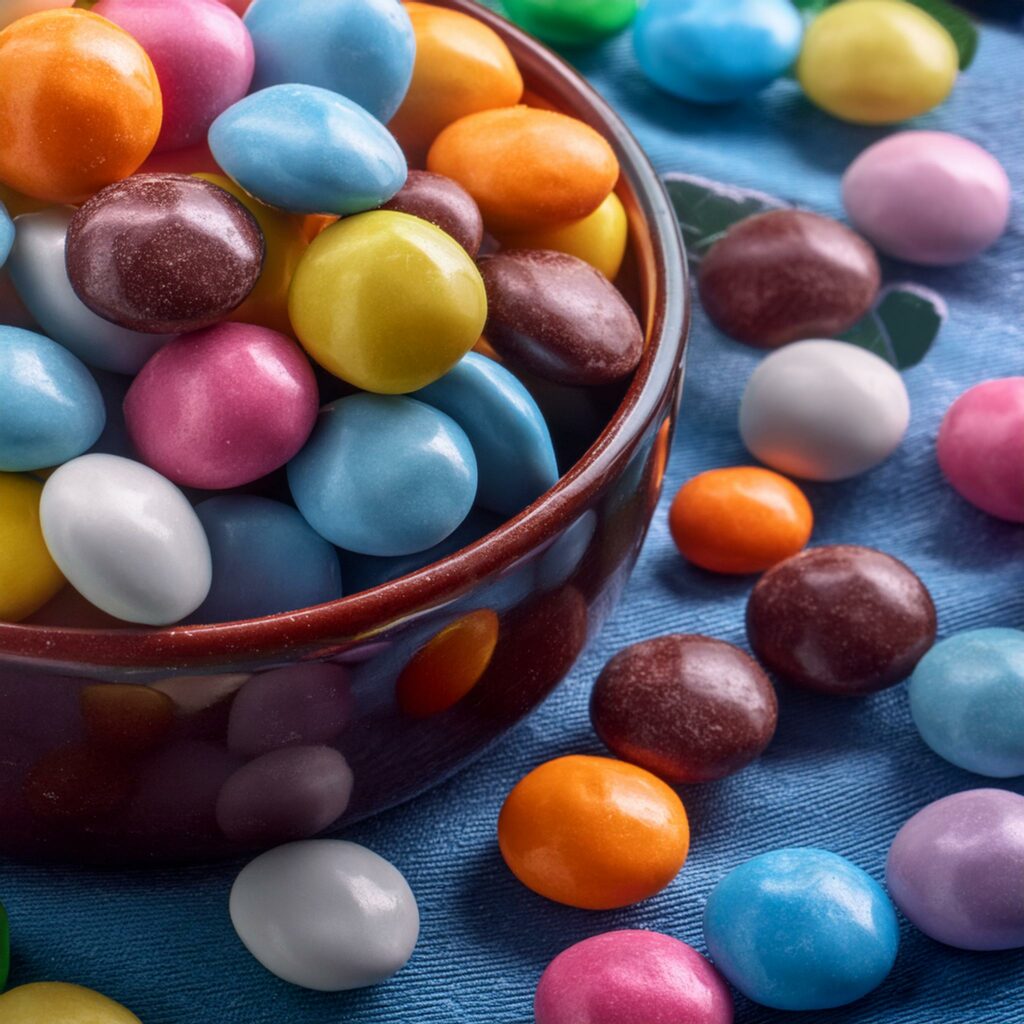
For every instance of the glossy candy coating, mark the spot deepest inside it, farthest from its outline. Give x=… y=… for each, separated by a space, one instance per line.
x=623 y=977
x=361 y=49
x=29 y=577
x=571 y=22
x=559 y=318
x=60 y=1003
x=126 y=538
x=784 y=275
x=80 y=105
x=841 y=620
x=955 y=868
x=594 y=833
x=876 y=61
x=387 y=302
x=801 y=929
x=716 y=51
x=824 y=410
x=6 y=234
x=443 y=203
x=687 y=708
x=163 y=253
x=325 y=914
x=928 y=197
x=222 y=406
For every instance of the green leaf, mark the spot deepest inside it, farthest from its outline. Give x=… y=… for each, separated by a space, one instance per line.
x=957 y=24
x=810 y=8
x=903 y=325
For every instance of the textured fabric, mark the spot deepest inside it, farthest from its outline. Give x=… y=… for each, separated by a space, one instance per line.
x=841 y=774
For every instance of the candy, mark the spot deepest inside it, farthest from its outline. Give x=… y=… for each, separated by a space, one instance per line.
x=445 y=204
x=928 y=197
x=558 y=317
x=307 y=150
x=876 y=61
x=365 y=453
x=28 y=575
x=515 y=458
x=126 y=538
x=785 y=275
x=222 y=406
x=6 y=234
x=56 y=1001
x=716 y=51
x=801 y=929
x=526 y=168
x=688 y=708
x=202 y=55
x=572 y=22
x=387 y=302
x=623 y=977
x=76 y=784
x=126 y=718
x=841 y=620
x=967 y=701
x=362 y=49
x=979 y=447
x=594 y=833
x=824 y=410
x=326 y=914
x=50 y=407
x=740 y=520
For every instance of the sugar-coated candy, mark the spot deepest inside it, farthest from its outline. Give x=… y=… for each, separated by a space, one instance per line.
x=801 y=929
x=841 y=620
x=445 y=204
x=125 y=718
x=592 y=832
x=76 y=783
x=325 y=914
x=824 y=410
x=716 y=51
x=624 y=977
x=6 y=234
x=50 y=407
x=368 y=449
x=126 y=538
x=954 y=869
x=307 y=150
x=57 y=1001
x=222 y=406
x=362 y=49
x=387 y=301
x=928 y=197
x=571 y=22
x=979 y=447
x=29 y=577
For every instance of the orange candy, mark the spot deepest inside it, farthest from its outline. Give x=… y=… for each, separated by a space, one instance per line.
x=740 y=520
x=80 y=105
x=124 y=717
x=526 y=168
x=593 y=833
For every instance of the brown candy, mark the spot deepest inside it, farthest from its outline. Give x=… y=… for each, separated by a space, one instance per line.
x=841 y=620
x=445 y=204
x=787 y=275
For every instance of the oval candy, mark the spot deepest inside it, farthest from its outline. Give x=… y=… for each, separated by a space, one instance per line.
x=443 y=203
x=59 y=1001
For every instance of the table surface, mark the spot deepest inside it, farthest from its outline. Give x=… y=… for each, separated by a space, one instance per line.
x=840 y=775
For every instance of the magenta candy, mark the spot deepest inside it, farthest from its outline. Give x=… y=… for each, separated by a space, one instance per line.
x=222 y=406
x=626 y=977
x=981 y=447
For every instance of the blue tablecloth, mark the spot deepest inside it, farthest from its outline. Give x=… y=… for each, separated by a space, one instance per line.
x=841 y=775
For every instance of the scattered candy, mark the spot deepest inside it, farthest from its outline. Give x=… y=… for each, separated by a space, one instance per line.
x=56 y=1001
x=445 y=204
x=572 y=22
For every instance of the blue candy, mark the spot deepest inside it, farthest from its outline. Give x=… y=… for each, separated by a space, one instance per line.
x=6 y=234
x=716 y=51
x=506 y=428
x=801 y=929
x=362 y=49
x=50 y=407
x=308 y=150
x=384 y=475
x=967 y=701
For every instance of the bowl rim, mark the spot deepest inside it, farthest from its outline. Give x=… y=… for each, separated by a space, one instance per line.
x=357 y=617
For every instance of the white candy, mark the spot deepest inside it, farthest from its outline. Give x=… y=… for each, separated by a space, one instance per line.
x=824 y=410
x=126 y=538
x=325 y=914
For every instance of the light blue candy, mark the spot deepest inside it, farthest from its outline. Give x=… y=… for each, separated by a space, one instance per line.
x=384 y=475
x=506 y=428
x=6 y=234
x=50 y=407
x=308 y=150
x=967 y=701
x=362 y=49
x=716 y=51
x=801 y=929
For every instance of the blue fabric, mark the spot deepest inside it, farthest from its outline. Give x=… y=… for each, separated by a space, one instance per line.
x=843 y=775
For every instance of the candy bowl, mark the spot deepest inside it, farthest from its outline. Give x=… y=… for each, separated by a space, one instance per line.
x=123 y=743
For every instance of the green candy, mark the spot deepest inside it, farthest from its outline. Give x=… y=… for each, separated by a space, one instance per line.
x=5 y=948
x=571 y=22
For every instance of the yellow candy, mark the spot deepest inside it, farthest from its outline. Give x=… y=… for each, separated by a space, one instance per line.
x=29 y=577
x=877 y=61
x=599 y=239
x=54 y=1002
x=387 y=302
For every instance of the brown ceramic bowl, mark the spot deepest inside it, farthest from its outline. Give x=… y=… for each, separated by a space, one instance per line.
x=119 y=744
